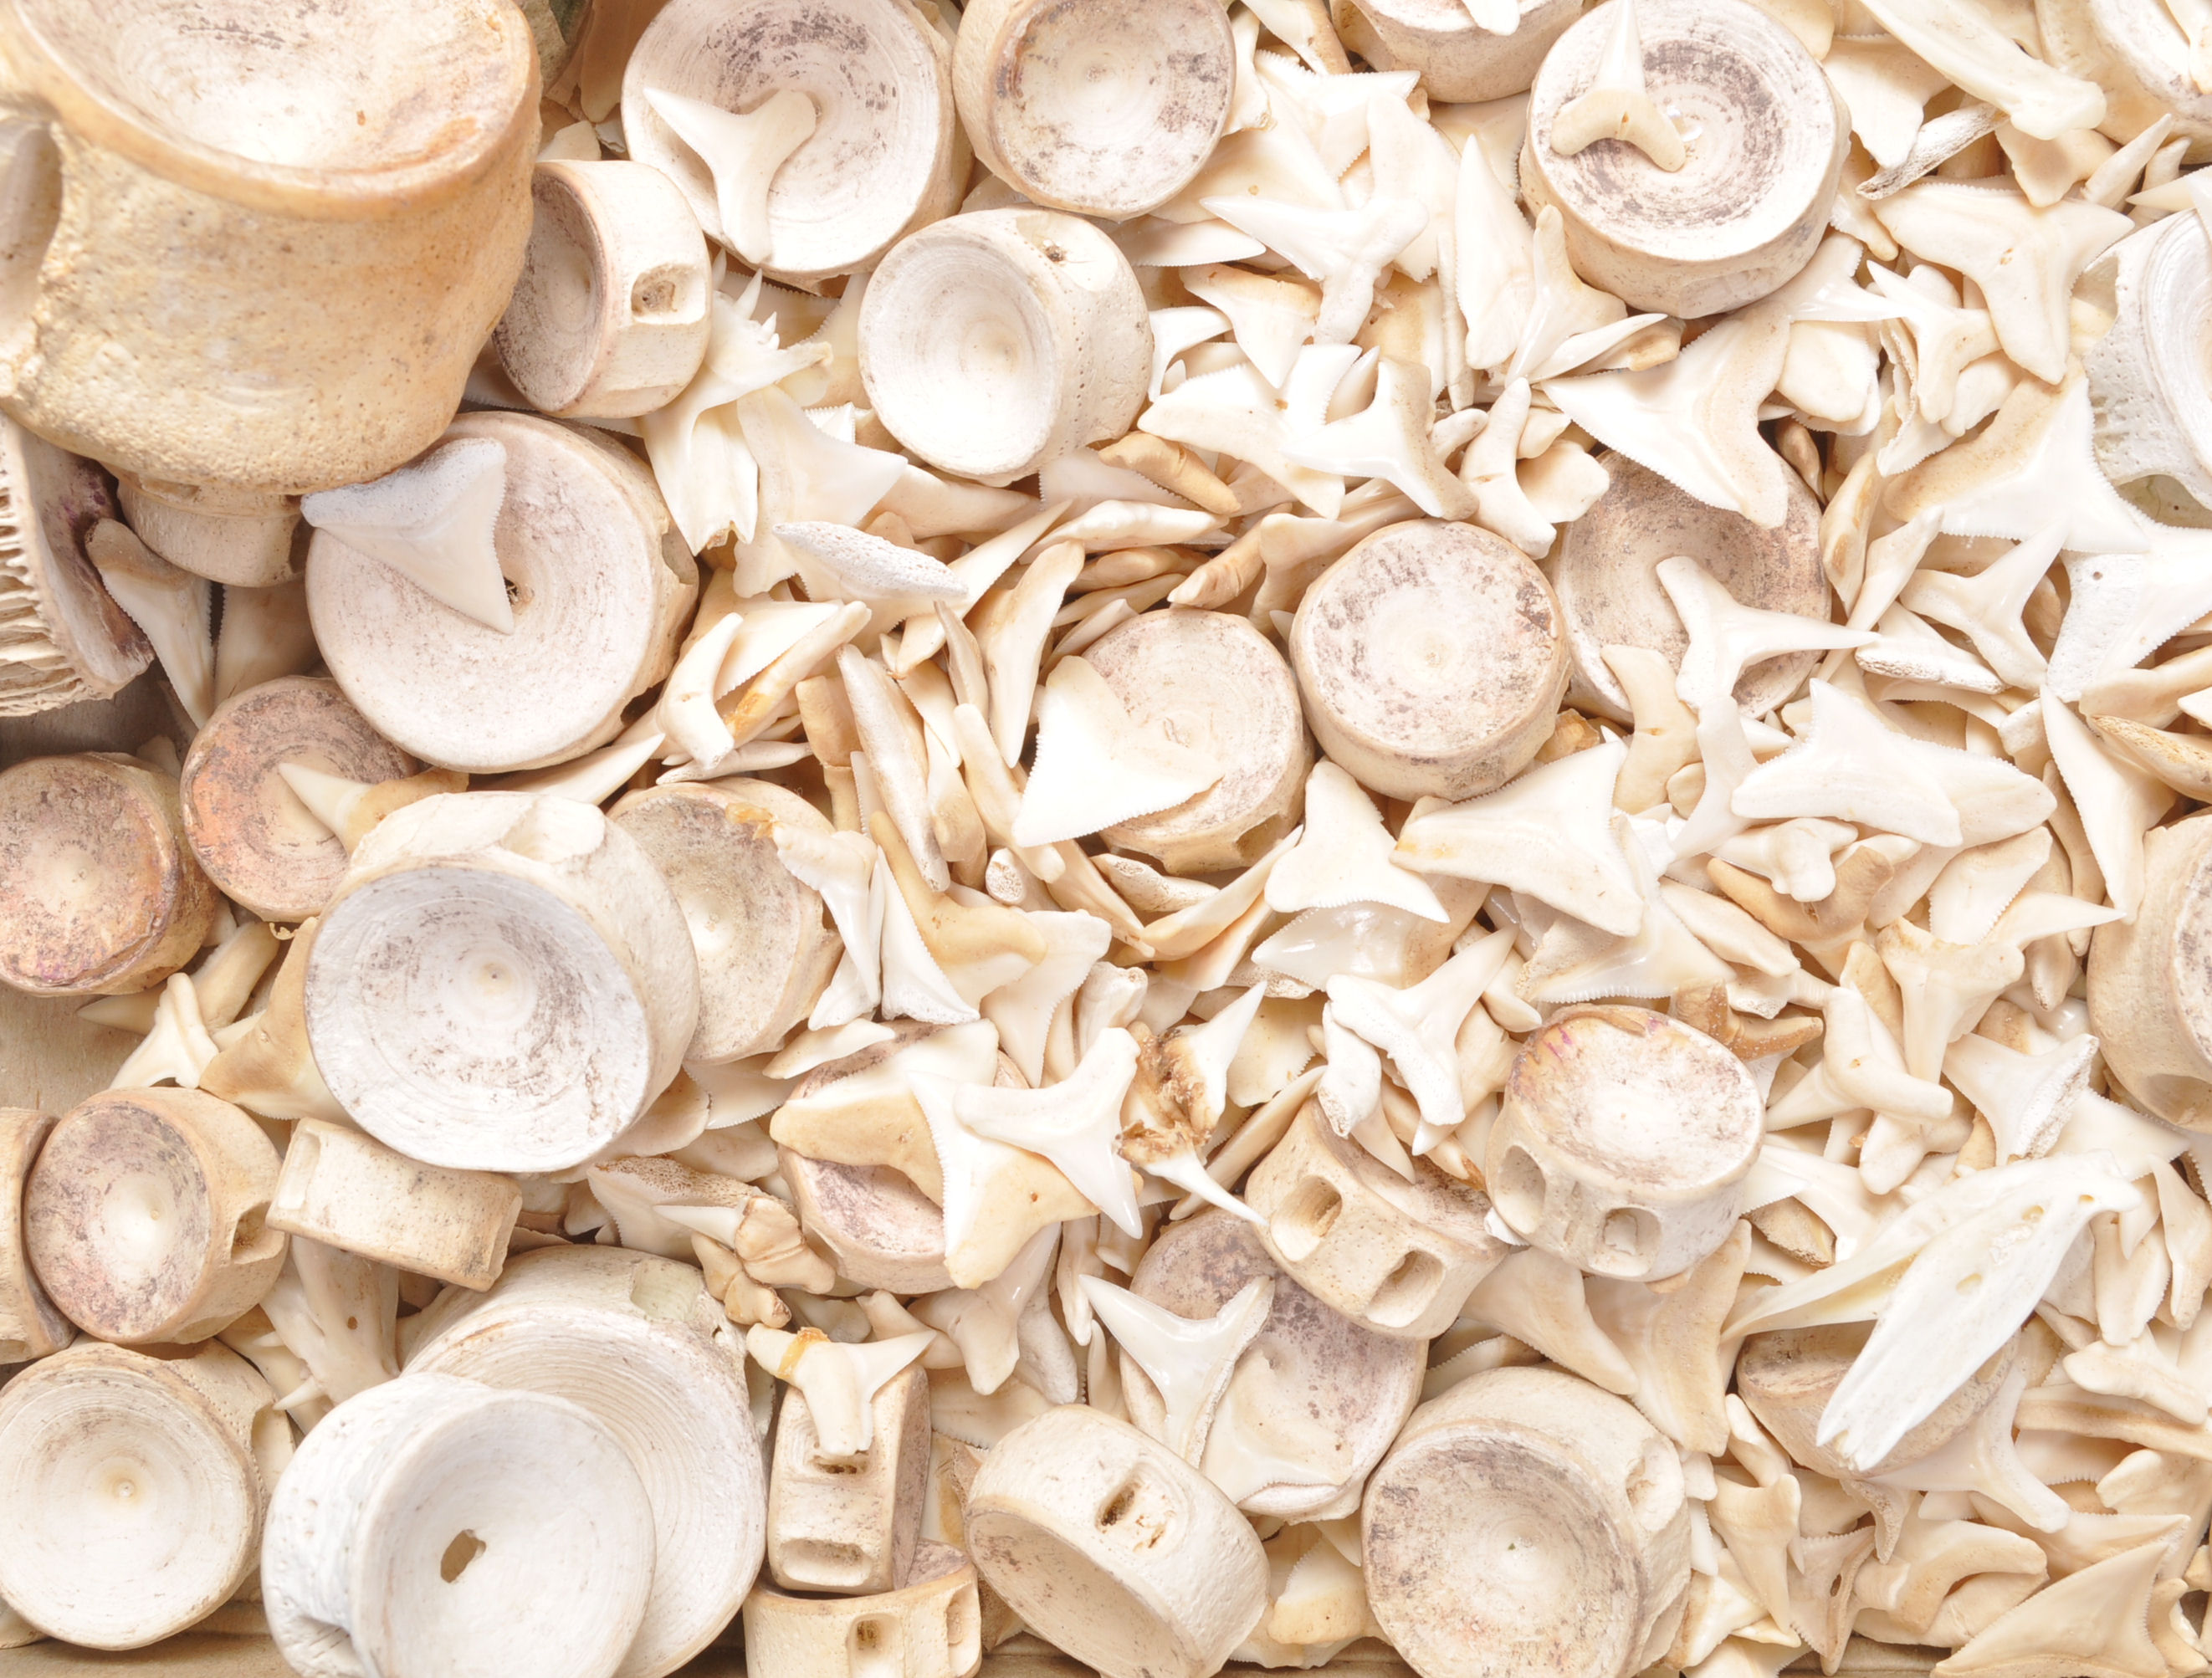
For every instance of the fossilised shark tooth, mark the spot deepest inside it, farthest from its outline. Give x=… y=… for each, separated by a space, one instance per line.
x=742 y=152
x=433 y=523
x=1189 y=1360
x=1616 y=106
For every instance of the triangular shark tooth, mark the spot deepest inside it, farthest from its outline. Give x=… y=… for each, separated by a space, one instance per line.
x=432 y=522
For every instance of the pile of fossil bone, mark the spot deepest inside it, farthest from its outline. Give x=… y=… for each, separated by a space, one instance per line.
x=1198 y=830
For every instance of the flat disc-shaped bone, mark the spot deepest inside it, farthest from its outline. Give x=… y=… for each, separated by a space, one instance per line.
x=1787 y=1376
x=1100 y=108
x=2150 y=985
x=143 y=1217
x=1316 y=1400
x=99 y=892
x=933 y=1624
x=257 y=840
x=1624 y=1140
x=1114 y=1549
x=610 y=315
x=599 y=587
x=1765 y=138
x=2153 y=401
x=436 y=1525
x=1214 y=683
x=30 y=1327
x=764 y=946
x=134 y=1504
x=1398 y=1257
x=885 y=155
x=994 y=342
x=502 y=982
x=344 y=1188
x=1609 y=591
x=639 y=1342
x=1527 y=1524
x=1431 y=660
x=67 y=641
x=1467 y=51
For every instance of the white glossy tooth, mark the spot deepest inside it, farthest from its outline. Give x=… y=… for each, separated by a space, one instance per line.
x=433 y=523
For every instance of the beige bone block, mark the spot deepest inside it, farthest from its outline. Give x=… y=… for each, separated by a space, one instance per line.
x=343 y=1187
x=844 y=1527
x=930 y=1629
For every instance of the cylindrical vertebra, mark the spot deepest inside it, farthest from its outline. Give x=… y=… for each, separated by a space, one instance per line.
x=1431 y=660
x=1458 y=58
x=1400 y=1257
x=610 y=317
x=2153 y=397
x=1114 y=1549
x=1624 y=1140
x=1214 y=683
x=245 y=537
x=765 y=948
x=1527 y=1525
x=1094 y=105
x=437 y=1525
x=502 y=982
x=1317 y=1398
x=2150 y=981
x=848 y=1527
x=99 y=895
x=30 y=1327
x=343 y=1187
x=932 y=1628
x=251 y=833
x=885 y=154
x=65 y=639
x=1610 y=595
x=257 y=249
x=1765 y=138
x=639 y=1342
x=145 y=1216
x=994 y=342
x=600 y=585
x=134 y=1498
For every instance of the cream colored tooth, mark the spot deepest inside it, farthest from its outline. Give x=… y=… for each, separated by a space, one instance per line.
x=102 y=894
x=996 y=1197
x=1271 y=315
x=1419 y=1027
x=264 y=635
x=1617 y=105
x=1189 y=1361
x=841 y=868
x=169 y=607
x=432 y=522
x=144 y=1279
x=1034 y=1010
x=177 y=1047
x=1344 y=855
x=1237 y=412
x=1346 y=250
x=1390 y=439
x=1025 y=76
x=2118 y=802
x=1074 y=1122
x=1075 y=373
x=1096 y=766
x=628 y=230
x=858 y=177
x=114 y=1423
x=1887 y=86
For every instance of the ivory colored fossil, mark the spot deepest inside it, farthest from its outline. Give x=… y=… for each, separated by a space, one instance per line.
x=142 y=1477
x=247 y=538
x=2153 y=401
x=1765 y=135
x=640 y=1343
x=2147 y=985
x=884 y=156
x=1432 y=659
x=99 y=892
x=994 y=342
x=1316 y=1399
x=1463 y=51
x=1399 y=1257
x=610 y=317
x=765 y=947
x=344 y=1188
x=1623 y=1141
x=249 y=830
x=66 y=639
x=1610 y=596
x=930 y=1628
x=844 y=1527
x=503 y=981
x=1787 y=1377
x=30 y=1327
x=599 y=583
x=1527 y=1522
x=220 y=284
x=1113 y=1549
x=432 y=1522
x=1214 y=683
x=1100 y=109
x=146 y=1216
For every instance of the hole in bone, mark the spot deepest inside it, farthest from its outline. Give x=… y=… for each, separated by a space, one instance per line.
x=1138 y=1513
x=1305 y=1217
x=1629 y=1238
x=465 y=1548
x=872 y=1647
x=1406 y=1292
x=826 y=1562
